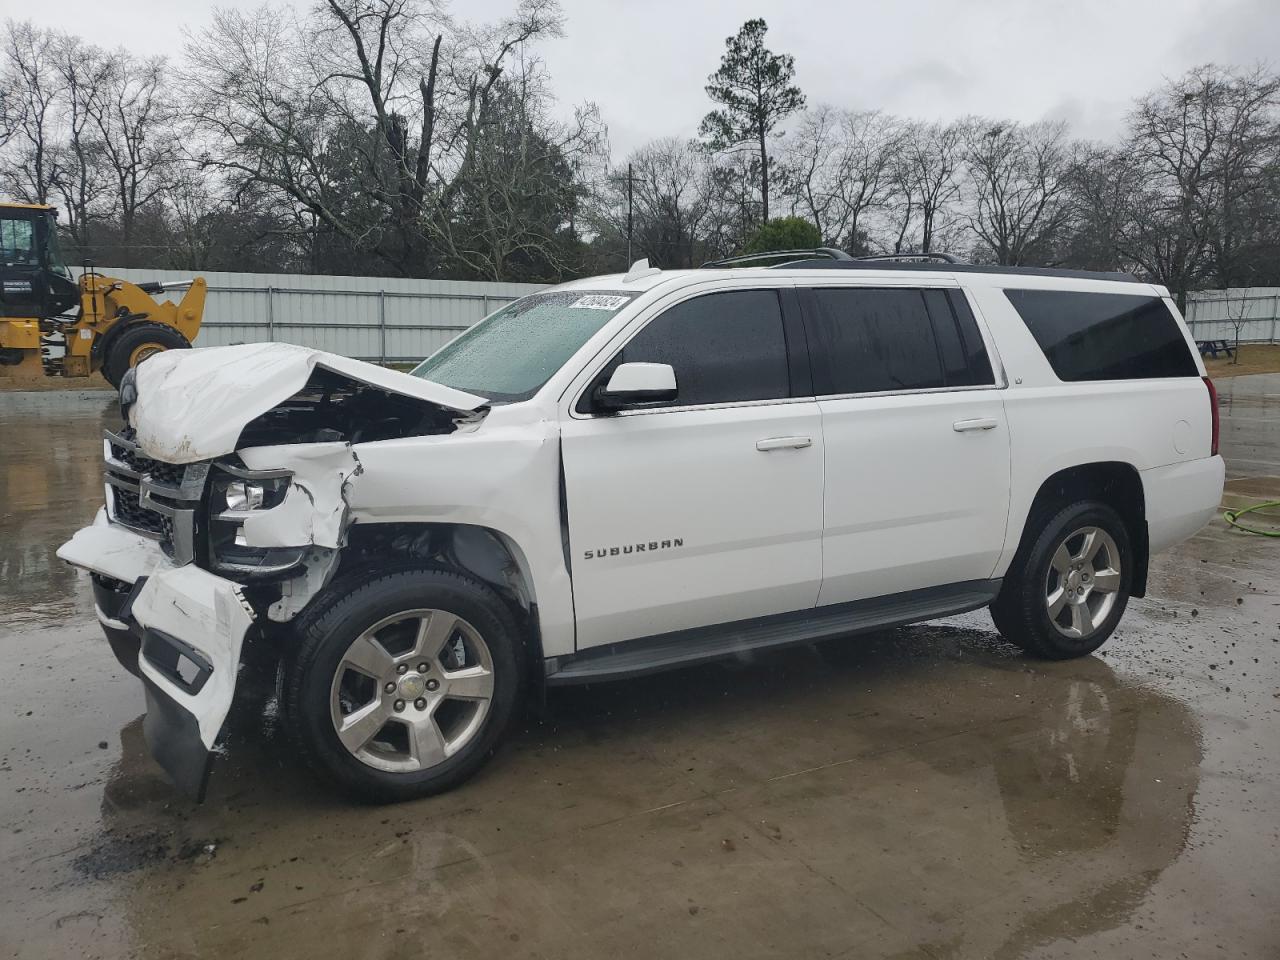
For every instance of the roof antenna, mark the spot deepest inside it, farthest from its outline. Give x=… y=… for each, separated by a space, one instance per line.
x=640 y=269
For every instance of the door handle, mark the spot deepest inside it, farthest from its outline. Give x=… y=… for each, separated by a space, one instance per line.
x=783 y=443
x=981 y=423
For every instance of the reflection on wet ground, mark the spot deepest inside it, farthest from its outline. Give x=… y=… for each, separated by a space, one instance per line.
x=921 y=793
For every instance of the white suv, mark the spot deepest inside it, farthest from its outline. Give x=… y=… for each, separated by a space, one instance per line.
x=635 y=472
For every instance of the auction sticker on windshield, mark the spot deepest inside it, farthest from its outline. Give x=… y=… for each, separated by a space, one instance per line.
x=599 y=301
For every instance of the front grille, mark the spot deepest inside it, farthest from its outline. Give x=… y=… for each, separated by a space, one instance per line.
x=166 y=474
x=157 y=499
x=128 y=511
x=121 y=448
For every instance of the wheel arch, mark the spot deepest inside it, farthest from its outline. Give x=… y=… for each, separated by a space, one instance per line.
x=487 y=554
x=102 y=344
x=1115 y=483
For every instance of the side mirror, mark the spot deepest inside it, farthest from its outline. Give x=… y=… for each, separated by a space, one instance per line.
x=636 y=384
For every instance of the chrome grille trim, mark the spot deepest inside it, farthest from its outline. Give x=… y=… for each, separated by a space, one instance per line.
x=137 y=500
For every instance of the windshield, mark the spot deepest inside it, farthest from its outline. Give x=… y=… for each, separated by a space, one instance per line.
x=509 y=355
x=27 y=235
x=18 y=246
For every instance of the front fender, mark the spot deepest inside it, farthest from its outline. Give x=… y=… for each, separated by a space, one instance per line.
x=504 y=478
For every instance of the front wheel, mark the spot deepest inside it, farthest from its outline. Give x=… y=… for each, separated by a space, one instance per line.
x=1065 y=596
x=403 y=687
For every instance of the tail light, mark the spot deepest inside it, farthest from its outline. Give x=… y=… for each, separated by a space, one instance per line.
x=1213 y=417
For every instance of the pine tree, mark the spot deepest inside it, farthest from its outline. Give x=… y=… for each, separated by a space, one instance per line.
x=754 y=88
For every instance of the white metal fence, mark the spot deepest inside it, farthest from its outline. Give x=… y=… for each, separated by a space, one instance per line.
x=1212 y=314
x=372 y=318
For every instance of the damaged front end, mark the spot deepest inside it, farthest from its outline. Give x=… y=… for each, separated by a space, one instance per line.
x=227 y=505
x=277 y=530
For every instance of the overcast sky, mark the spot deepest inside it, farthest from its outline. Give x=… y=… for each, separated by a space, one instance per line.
x=645 y=62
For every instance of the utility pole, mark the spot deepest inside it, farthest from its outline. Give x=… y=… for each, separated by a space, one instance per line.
x=631 y=181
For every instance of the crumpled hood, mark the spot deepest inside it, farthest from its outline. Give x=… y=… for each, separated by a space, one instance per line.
x=193 y=404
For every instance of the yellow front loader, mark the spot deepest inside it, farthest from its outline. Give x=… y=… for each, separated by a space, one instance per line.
x=50 y=325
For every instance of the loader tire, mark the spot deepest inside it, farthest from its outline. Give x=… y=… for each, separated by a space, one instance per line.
x=136 y=343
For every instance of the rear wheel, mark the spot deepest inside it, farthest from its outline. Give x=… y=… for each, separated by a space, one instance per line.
x=138 y=342
x=403 y=687
x=1066 y=593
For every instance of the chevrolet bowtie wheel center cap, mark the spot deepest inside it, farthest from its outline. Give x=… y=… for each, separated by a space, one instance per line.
x=411 y=686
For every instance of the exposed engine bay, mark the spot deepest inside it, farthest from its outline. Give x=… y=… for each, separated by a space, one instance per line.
x=225 y=399
x=334 y=408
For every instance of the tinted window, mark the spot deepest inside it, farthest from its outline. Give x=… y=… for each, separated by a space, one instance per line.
x=960 y=346
x=724 y=347
x=979 y=364
x=1105 y=336
x=873 y=340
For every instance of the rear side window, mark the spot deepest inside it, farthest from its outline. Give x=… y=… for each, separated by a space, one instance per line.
x=725 y=347
x=885 y=340
x=1105 y=336
x=960 y=346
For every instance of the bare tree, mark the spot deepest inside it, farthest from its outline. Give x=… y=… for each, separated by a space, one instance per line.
x=1244 y=109
x=370 y=116
x=735 y=208
x=838 y=168
x=673 y=197
x=514 y=200
x=78 y=177
x=1104 y=184
x=1237 y=315
x=31 y=94
x=1195 y=140
x=926 y=185
x=135 y=125
x=1019 y=176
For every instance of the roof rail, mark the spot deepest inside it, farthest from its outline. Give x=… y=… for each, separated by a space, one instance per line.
x=911 y=258
x=829 y=258
x=880 y=265
x=746 y=259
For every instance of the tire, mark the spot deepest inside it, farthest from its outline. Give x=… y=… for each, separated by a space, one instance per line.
x=416 y=739
x=1089 y=592
x=134 y=344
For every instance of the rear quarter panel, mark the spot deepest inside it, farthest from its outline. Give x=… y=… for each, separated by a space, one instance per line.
x=1054 y=425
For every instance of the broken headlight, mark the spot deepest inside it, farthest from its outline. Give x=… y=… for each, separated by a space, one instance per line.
x=235 y=495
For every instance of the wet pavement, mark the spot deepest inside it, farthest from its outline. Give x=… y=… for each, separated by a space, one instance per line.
x=925 y=792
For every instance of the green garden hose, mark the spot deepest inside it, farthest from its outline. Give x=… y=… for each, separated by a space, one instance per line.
x=1232 y=518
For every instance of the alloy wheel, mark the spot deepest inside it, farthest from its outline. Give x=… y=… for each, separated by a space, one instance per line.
x=412 y=690
x=1083 y=582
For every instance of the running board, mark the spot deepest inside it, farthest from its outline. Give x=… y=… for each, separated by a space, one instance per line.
x=633 y=658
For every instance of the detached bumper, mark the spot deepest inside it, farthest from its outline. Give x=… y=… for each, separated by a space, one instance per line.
x=190 y=625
